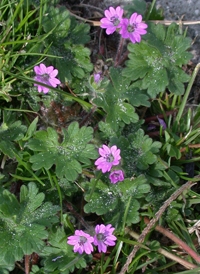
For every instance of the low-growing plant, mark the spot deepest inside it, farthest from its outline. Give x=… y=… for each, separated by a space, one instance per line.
x=87 y=158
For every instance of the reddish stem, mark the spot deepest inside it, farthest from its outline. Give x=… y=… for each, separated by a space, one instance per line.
x=27 y=264
x=155 y=118
x=119 y=52
x=184 y=148
x=79 y=217
x=155 y=133
x=123 y=58
x=171 y=236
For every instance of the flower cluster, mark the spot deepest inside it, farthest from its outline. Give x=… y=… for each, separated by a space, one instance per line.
x=83 y=241
x=131 y=28
x=110 y=157
x=46 y=75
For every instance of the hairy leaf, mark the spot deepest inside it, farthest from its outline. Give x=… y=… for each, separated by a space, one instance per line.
x=9 y=134
x=115 y=101
x=158 y=60
x=68 y=37
x=67 y=155
x=112 y=199
x=23 y=224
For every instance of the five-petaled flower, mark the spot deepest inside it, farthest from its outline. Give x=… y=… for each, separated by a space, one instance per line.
x=116 y=175
x=104 y=237
x=109 y=157
x=112 y=21
x=81 y=241
x=45 y=75
x=133 y=28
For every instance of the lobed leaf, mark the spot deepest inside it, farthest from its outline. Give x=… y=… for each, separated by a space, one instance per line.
x=68 y=155
x=157 y=60
x=114 y=101
x=23 y=224
x=112 y=199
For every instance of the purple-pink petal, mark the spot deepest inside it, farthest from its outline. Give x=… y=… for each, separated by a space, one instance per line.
x=37 y=70
x=133 y=18
x=116 y=175
x=139 y=19
x=109 y=157
x=104 y=237
x=113 y=18
x=46 y=75
x=81 y=241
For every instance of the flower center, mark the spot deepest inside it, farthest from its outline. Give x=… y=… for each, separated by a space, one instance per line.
x=82 y=240
x=109 y=158
x=115 y=20
x=45 y=77
x=132 y=27
x=101 y=237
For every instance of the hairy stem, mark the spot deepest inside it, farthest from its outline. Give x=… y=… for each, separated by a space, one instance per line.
x=27 y=264
x=119 y=52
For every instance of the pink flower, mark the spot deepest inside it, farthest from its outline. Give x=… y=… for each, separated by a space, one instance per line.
x=116 y=175
x=133 y=28
x=81 y=241
x=109 y=157
x=104 y=237
x=112 y=21
x=97 y=77
x=46 y=75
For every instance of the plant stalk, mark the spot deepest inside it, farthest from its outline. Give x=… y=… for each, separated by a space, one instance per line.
x=185 y=97
x=173 y=237
x=119 y=52
x=164 y=252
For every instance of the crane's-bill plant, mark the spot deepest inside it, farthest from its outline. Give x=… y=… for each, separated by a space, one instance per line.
x=24 y=222
x=80 y=166
x=156 y=64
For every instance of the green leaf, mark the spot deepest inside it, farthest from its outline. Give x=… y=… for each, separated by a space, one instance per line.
x=139 y=156
x=154 y=245
x=23 y=225
x=158 y=60
x=9 y=134
x=138 y=6
x=113 y=101
x=57 y=17
x=137 y=97
x=68 y=37
x=31 y=129
x=111 y=200
x=58 y=255
x=68 y=155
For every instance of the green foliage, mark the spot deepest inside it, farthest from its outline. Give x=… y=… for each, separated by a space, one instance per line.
x=157 y=61
x=141 y=7
x=23 y=224
x=137 y=151
x=67 y=38
x=112 y=200
x=66 y=155
x=138 y=6
x=114 y=100
x=11 y=131
x=58 y=255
